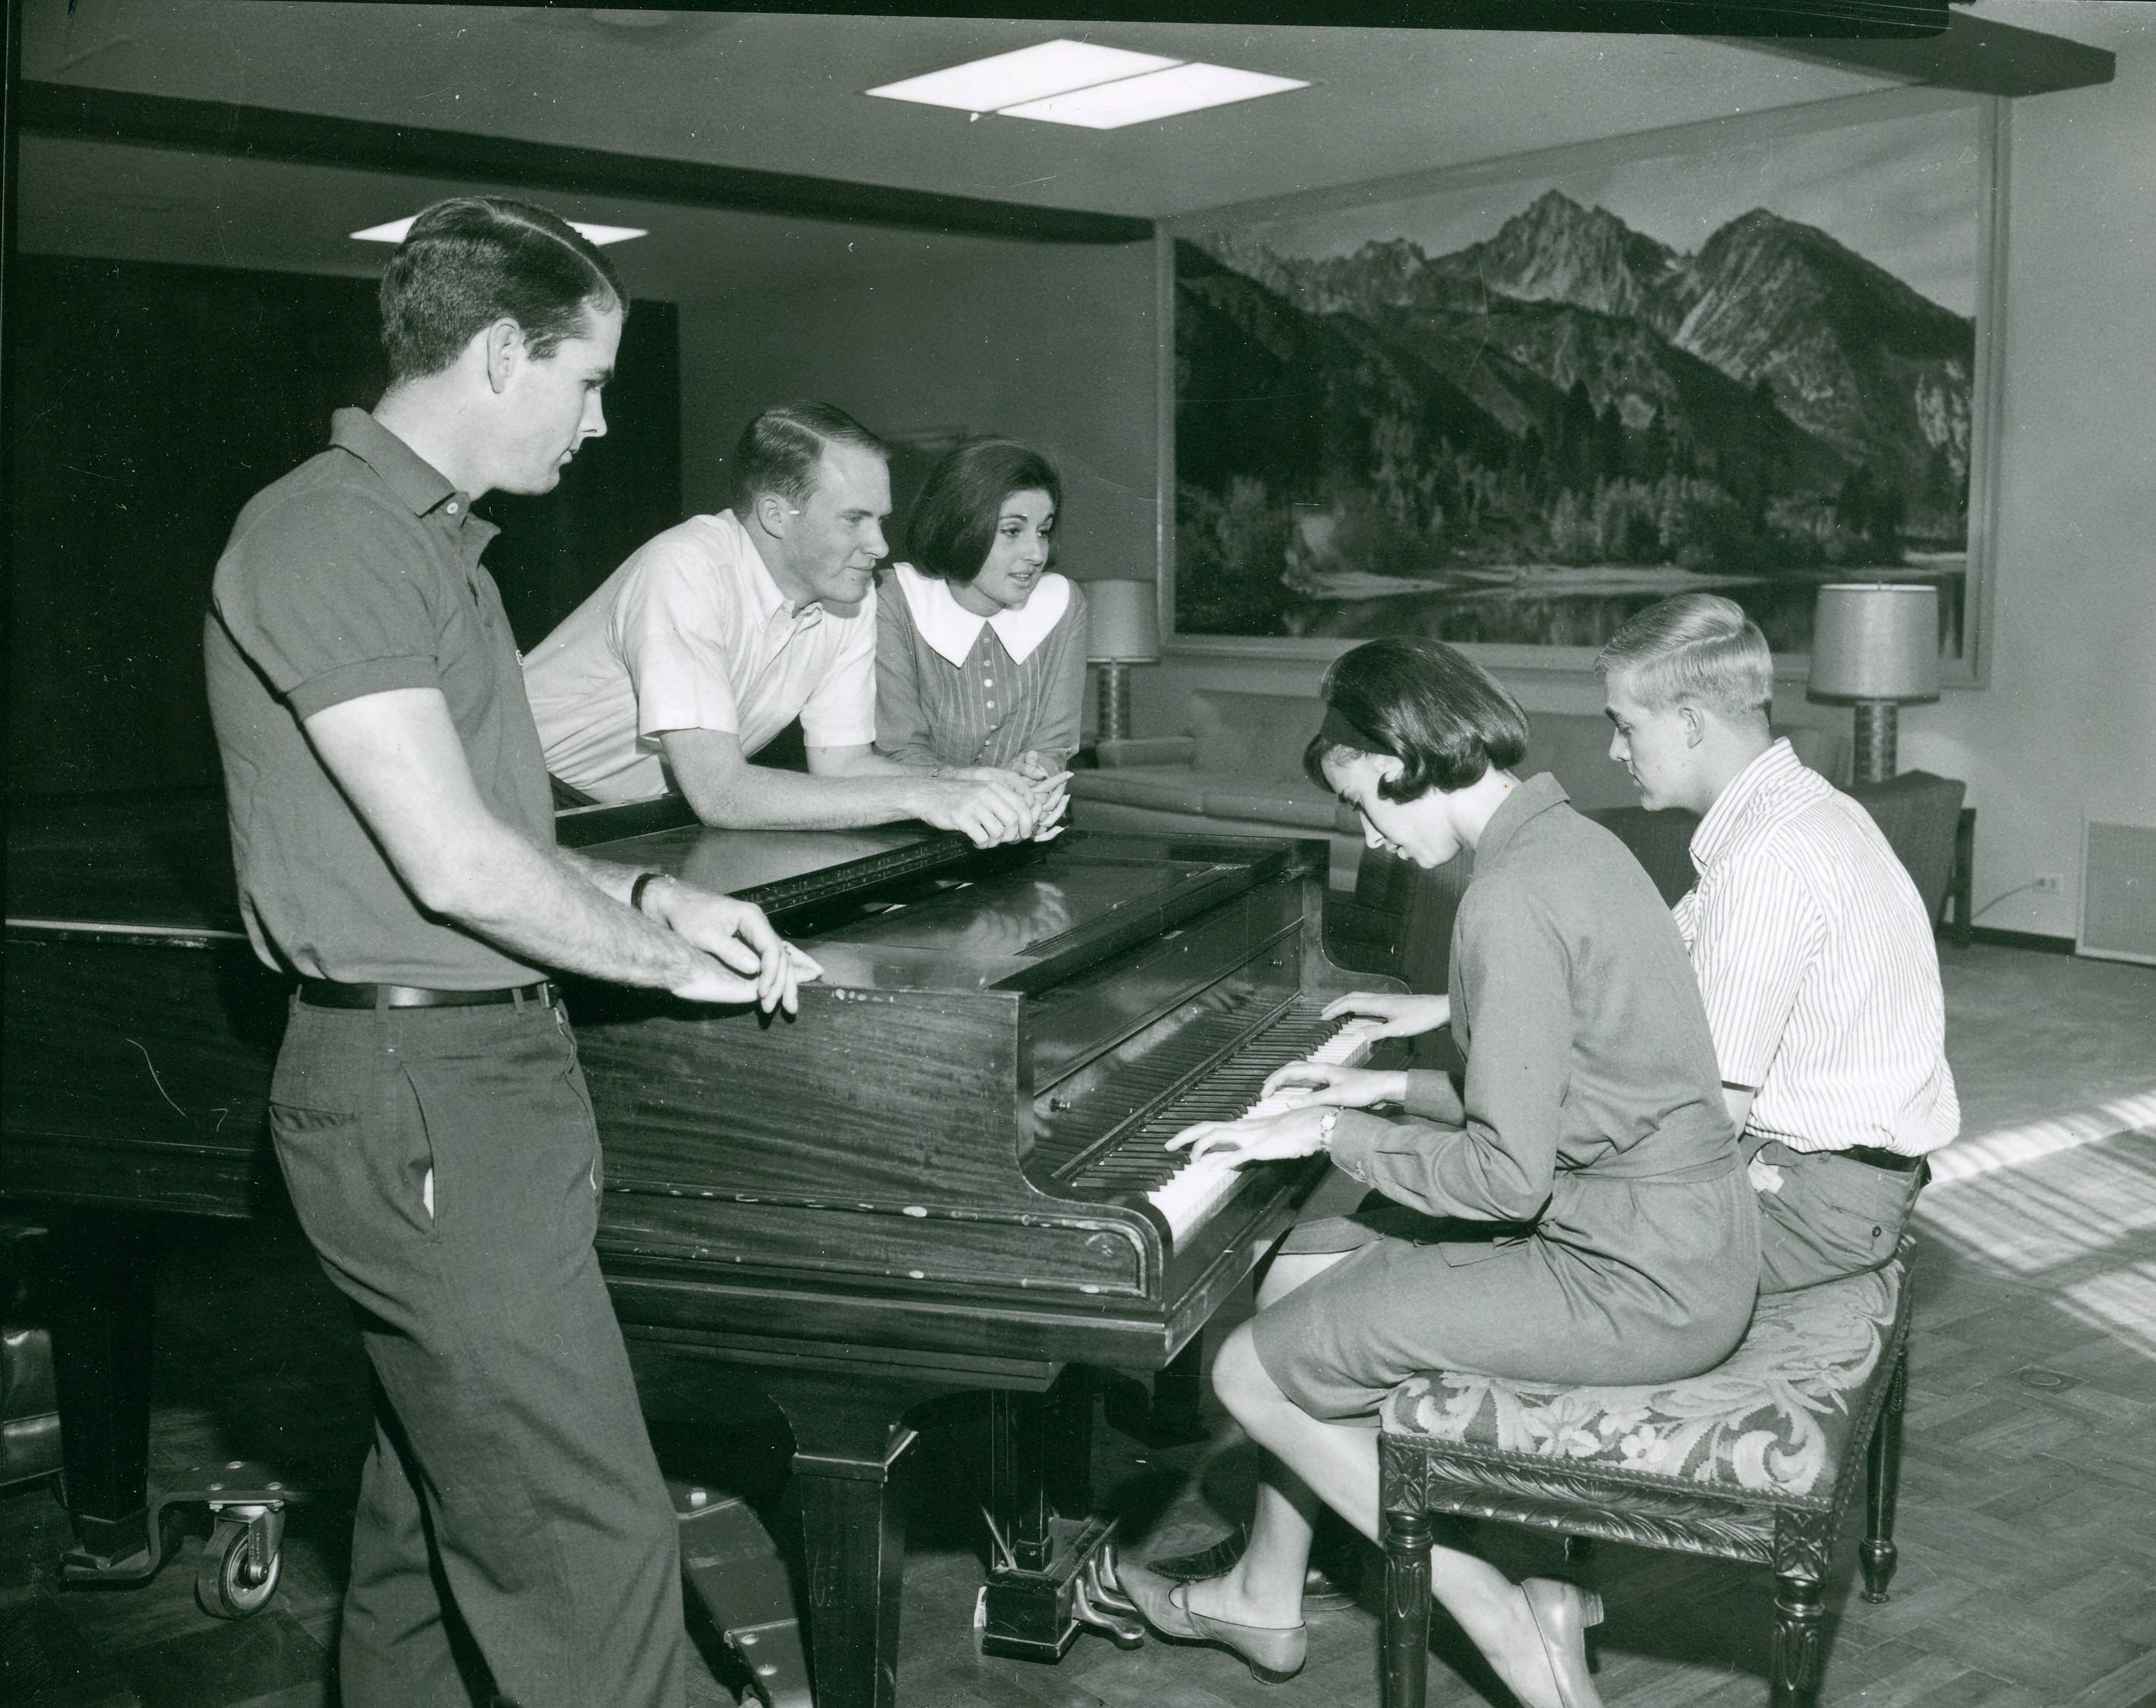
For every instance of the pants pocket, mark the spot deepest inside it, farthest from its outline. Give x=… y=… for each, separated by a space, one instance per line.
x=350 y=1176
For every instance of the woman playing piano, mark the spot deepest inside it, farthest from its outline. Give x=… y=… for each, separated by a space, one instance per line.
x=980 y=646
x=1574 y=1209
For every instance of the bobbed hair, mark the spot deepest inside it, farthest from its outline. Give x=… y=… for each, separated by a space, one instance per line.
x=778 y=452
x=954 y=518
x=1427 y=705
x=471 y=260
x=1696 y=646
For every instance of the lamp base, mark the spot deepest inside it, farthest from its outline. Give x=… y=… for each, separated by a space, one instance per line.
x=1875 y=761
x=1115 y=701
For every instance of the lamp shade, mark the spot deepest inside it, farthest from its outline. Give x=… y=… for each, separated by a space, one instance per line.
x=1122 y=626
x=1874 y=642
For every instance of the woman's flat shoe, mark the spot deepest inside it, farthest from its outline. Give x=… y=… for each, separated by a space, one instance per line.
x=1562 y=1613
x=1275 y=1654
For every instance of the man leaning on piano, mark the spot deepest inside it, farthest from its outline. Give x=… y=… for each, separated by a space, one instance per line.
x=717 y=634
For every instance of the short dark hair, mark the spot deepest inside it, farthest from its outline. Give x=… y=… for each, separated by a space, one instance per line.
x=954 y=518
x=1427 y=705
x=778 y=451
x=471 y=260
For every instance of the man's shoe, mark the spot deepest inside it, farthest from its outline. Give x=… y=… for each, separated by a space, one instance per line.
x=1327 y=1587
x=1210 y=1561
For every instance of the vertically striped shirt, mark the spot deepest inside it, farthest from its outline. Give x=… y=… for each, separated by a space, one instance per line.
x=1818 y=967
x=957 y=689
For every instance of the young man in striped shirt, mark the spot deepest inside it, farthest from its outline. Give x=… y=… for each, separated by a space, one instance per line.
x=1812 y=948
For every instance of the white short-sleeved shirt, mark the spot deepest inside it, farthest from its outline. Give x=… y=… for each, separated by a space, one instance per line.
x=1818 y=966
x=692 y=633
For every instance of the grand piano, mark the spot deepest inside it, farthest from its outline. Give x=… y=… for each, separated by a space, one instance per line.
x=946 y=1174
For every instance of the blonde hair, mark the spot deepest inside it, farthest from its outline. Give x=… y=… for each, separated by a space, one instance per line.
x=1698 y=647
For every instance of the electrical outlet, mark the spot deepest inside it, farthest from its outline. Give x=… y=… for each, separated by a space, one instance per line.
x=2049 y=884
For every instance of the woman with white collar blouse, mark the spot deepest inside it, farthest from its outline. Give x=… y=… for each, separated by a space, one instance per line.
x=980 y=646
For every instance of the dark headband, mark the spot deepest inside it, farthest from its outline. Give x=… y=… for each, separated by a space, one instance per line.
x=1339 y=731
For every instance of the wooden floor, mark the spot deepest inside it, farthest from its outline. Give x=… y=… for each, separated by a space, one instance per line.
x=2028 y=1523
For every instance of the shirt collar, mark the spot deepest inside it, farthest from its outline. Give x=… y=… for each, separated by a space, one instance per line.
x=770 y=598
x=1525 y=801
x=1773 y=770
x=952 y=629
x=415 y=480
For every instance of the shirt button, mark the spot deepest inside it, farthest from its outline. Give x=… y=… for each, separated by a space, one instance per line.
x=451 y=506
x=987 y=682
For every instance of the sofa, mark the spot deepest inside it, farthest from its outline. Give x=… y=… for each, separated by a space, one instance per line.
x=1237 y=769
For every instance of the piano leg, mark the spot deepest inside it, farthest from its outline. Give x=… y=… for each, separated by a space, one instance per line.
x=1047 y=1540
x=1174 y=1416
x=847 y=1437
x=103 y=1268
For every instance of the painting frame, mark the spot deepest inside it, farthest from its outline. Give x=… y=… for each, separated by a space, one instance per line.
x=1968 y=668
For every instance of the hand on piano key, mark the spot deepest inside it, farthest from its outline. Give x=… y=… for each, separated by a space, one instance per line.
x=1264 y=1129
x=1300 y=1083
x=1256 y=1138
x=1191 y=1194
x=1392 y=1015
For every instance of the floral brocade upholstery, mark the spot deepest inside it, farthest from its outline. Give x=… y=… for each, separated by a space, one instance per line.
x=1773 y=1420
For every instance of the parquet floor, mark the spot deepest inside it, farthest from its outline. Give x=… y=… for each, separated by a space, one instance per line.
x=2028 y=1519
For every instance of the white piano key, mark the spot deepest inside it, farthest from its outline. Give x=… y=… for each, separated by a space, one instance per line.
x=1190 y=1196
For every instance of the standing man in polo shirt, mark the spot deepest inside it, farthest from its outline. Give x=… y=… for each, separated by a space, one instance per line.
x=1811 y=945
x=393 y=835
x=717 y=634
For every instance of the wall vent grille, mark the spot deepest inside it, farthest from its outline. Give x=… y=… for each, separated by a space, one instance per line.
x=2119 y=892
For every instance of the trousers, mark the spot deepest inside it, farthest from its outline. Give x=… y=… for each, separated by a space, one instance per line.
x=513 y=1532
x=1827 y=1216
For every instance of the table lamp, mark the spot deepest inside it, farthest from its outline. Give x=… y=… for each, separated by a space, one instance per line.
x=1123 y=629
x=1876 y=648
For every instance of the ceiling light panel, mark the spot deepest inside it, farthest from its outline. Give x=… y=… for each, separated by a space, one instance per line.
x=395 y=231
x=1159 y=95
x=1028 y=74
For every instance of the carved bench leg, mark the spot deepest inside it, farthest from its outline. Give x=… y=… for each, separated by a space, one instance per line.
x=1406 y=1539
x=1800 y=1547
x=1882 y=1479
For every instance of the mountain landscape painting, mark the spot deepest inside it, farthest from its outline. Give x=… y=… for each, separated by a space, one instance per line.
x=1523 y=413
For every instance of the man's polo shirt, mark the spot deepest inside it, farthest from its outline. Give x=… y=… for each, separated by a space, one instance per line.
x=358 y=573
x=692 y=633
x=1818 y=966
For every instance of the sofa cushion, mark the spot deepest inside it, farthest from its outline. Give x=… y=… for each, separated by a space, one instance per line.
x=1297 y=802
x=1773 y=1418
x=1173 y=788
x=1259 y=737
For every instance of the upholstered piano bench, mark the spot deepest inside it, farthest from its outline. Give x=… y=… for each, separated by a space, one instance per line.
x=1756 y=1460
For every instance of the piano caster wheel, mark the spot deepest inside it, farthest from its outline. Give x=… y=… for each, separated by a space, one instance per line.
x=240 y=1563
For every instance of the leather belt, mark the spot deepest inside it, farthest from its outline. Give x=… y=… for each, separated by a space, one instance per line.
x=1873 y=1158
x=326 y=993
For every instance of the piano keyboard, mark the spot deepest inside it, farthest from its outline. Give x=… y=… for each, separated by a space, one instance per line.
x=1186 y=1193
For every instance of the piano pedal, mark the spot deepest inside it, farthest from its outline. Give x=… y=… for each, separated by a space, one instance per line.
x=1125 y=1631
x=1027 y=1615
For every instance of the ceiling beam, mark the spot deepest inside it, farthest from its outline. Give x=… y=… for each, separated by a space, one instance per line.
x=86 y=114
x=1729 y=17
x=1985 y=59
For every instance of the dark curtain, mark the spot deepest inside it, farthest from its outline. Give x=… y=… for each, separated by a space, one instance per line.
x=151 y=401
